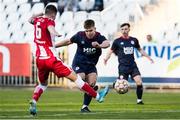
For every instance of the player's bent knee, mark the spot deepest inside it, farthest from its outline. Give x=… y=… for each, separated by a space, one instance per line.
x=43 y=87
x=92 y=84
x=72 y=76
x=44 y=83
x=138 y=82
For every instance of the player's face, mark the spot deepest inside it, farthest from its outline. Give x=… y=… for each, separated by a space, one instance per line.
x=90 y=32
x=125 y=30
x=53 y=16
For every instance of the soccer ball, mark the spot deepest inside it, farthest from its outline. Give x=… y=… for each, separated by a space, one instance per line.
x=121 y=86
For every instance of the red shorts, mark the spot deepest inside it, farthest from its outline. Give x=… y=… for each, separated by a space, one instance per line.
x=51 y=65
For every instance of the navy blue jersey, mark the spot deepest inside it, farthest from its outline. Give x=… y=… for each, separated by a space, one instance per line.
x=86 y=53
x=124 y=49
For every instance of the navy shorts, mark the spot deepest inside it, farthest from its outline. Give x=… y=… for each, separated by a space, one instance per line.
x=125 y=71
x=84 y=68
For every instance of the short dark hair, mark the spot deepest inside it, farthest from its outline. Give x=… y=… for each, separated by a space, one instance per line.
x=50 y=9
x=89 y=23
x=125 y=24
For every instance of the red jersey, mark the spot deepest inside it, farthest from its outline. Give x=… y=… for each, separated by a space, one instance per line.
x=43 y=39
x=47 y=58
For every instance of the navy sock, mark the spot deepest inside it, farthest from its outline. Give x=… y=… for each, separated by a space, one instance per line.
x=88 y=98
x=139 y=91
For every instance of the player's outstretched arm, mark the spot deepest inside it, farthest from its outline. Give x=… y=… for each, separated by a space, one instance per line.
x=31 y=19
x=53 y=32
x=145 y=55
x=63 y=43
x=104 y=44
x=108 y=55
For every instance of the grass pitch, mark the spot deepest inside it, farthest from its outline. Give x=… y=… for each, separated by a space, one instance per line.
x=66 y=104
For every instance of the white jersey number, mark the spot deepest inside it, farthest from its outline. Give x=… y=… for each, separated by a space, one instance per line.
x=38 y=31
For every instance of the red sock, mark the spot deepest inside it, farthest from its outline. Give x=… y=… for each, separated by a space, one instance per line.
x=89 y=90
x=37 y=93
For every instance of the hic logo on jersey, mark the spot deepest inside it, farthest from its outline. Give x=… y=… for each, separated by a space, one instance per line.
x=128 y=50
x=89 y=50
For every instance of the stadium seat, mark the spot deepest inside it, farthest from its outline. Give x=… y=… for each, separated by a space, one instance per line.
x=13 y=17
x=108 y=2
x=4 y=34
x=14 y=27
x=29 y=37
x=119 y=9
x=18 y=37
x=99 y=26
x=143 y=3
x=121 y=18
x=4 y=26
x=59 y=25
x=27 y=27
x=8 y=2
x=86 y=4
x=80 y=16
x=3 y=16
x=24 y=17
x=66 y=16
x=134 y=12
x=70 y=34
x=19 y=2
x=24 y=8
x=68 y=26
x=11 y=8
x=37 y=8
x=19 y=11
x=2 y=6
x=105 y=33
x=53 y=3
x=57 y=16
x=111 y=27
x=5 y=37
x=79 y=26
x=36 y=0
x=95 y=15
x=108 y=16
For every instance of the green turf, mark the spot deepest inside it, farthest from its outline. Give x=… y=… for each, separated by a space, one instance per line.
x=65 y=104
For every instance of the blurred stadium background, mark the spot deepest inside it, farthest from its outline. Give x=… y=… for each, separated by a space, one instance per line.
x=158 y=18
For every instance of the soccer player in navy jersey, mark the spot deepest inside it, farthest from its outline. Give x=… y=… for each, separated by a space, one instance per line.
x=123 y=47
x=48 y=61
x=89 y=44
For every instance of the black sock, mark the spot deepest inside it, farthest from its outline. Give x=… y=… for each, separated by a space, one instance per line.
x=139 y=91
x=88 y=98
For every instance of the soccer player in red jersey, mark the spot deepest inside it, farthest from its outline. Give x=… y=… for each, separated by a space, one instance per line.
x=47 y=59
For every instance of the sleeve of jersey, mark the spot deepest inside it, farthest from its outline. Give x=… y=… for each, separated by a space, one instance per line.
x=113 y=47
x=51 y=22
x=137 y=45
x=74 y=38
x=102 y=38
